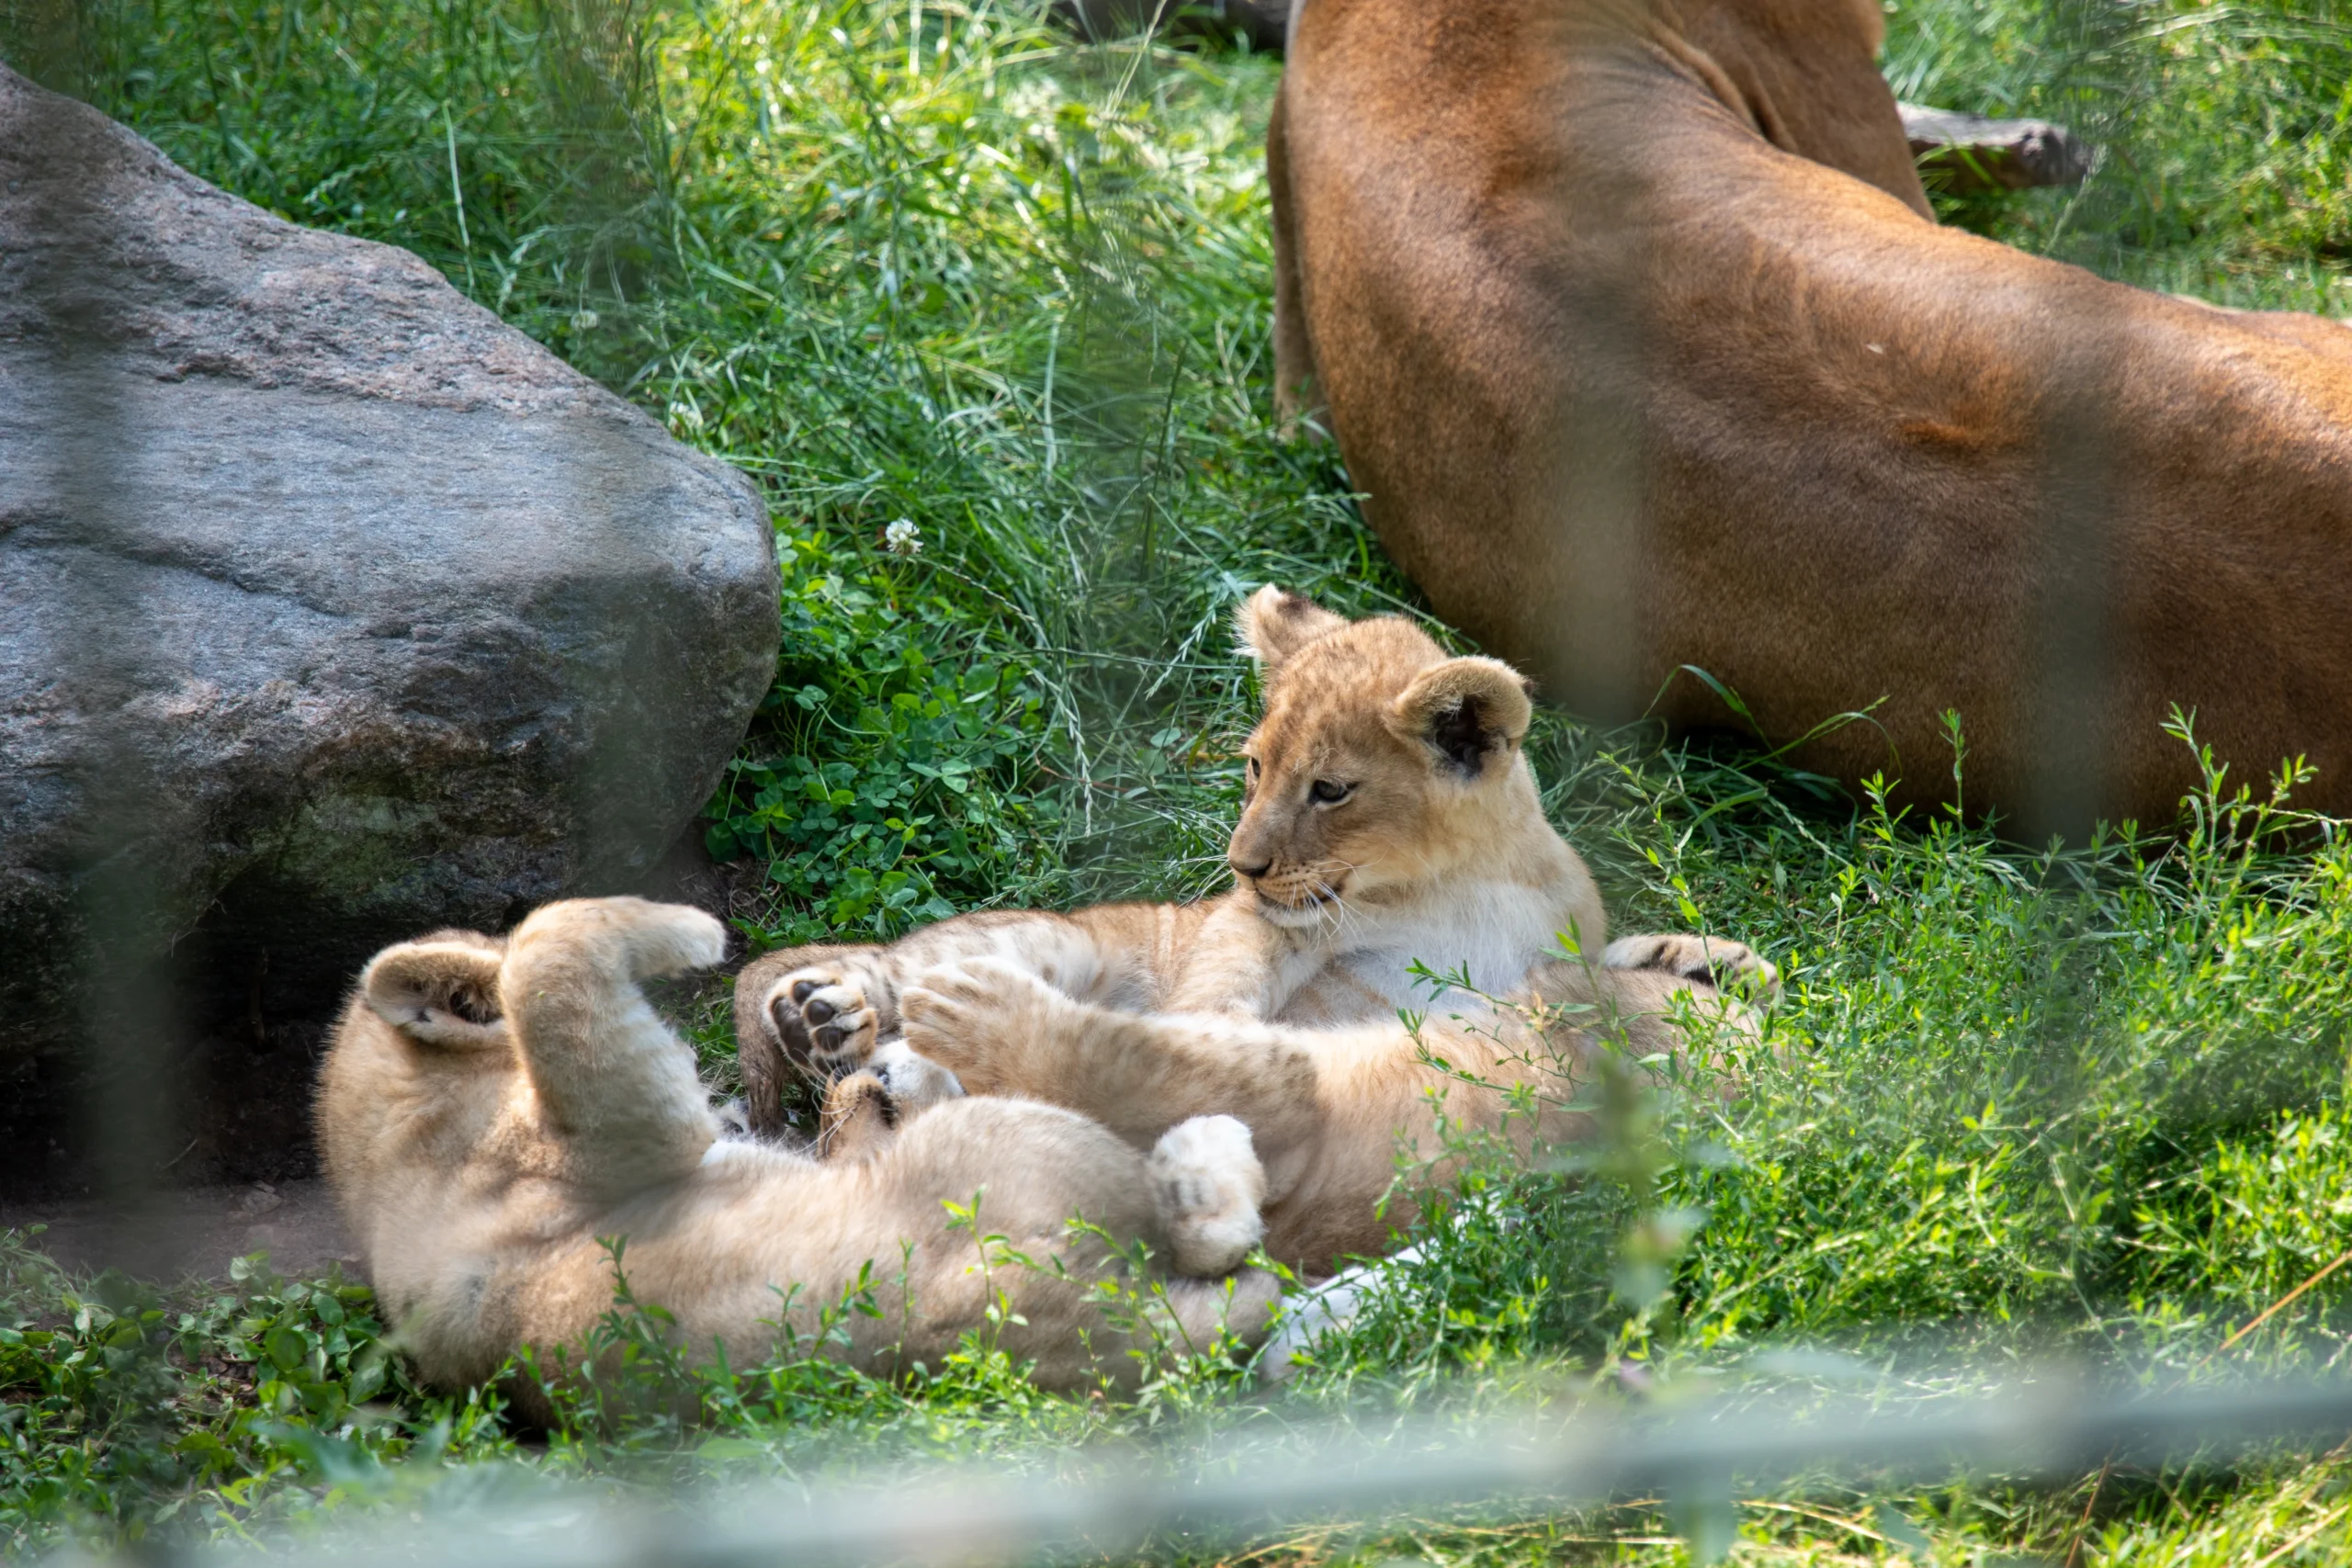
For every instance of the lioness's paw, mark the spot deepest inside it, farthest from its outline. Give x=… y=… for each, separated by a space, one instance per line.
x=1208 y=1186
x=823 y=1017
x=958 y=1014
x=1733 y=967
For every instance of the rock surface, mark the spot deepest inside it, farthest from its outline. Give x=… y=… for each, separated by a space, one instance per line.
x=1968 y=153
x=1264 y=23
x=332 y=609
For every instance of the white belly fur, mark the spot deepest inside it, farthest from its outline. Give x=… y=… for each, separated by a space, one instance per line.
x=1492 y=930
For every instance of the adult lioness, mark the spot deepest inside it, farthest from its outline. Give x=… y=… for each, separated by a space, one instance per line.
x=491 y=1108
x=1390 y=818
x=1634 y=330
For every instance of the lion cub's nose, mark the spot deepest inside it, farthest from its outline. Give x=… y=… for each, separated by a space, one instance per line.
x=1251 y=872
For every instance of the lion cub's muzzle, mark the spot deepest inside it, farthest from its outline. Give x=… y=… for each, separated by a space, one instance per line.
x=1303 y=897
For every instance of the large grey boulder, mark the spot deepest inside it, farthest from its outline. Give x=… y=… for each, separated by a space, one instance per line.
x=332 y=610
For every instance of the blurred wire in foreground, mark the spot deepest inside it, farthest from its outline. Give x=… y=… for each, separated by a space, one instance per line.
x=1239 y=1489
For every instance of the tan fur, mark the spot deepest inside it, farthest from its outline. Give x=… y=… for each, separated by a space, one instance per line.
x=1327 y=1107
x=1435 y=851
x=489 y=1109
x=1635 y=330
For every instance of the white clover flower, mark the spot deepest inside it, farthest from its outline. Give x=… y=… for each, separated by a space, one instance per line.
x=1035 y=98
x=584 y=321
x=902 y=538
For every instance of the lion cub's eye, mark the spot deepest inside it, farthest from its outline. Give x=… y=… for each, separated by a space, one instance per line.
x=1328 y=792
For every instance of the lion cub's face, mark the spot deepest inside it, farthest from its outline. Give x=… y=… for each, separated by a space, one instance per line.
x=1381 y=768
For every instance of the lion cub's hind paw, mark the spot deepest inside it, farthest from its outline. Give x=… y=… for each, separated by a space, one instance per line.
x=670 y=939
x=438 y=990
x=823 y=1016
x=1732 y=967
x=1208 y=1186
x=637 y=936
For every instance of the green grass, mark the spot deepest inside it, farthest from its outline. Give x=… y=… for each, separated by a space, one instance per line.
x=2220 y=130
x=2017 y=1105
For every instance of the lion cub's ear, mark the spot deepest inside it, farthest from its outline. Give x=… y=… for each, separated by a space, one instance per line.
x=1274 y=625
x=1466 y=710
x=441 y=992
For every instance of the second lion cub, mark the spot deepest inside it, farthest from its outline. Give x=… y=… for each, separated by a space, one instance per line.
x=491 y=1107
x=1390 y=818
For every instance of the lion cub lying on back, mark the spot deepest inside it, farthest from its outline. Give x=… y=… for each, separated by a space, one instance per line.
x=1389 y=818
x=490 y=1109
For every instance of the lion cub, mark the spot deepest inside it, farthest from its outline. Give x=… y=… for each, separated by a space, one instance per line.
x=490 y=1109
x=1329 y=1107
x=1390 y=818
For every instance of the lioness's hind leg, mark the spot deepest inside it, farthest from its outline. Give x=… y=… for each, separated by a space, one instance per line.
x=1208 y=1187
x=1730 y=966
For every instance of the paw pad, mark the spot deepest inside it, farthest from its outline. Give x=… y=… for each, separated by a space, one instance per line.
x=822 y=1017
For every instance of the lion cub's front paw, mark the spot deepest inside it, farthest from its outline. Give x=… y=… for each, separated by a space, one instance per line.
x=1208 y=1186
x=915 y=1082
x=823 y=1016
x=1732 y=967
x=965 y=1015
x=859 y=1119
x=865 y=1109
